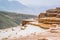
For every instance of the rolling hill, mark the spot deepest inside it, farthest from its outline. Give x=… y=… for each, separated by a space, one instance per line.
x=11 y=19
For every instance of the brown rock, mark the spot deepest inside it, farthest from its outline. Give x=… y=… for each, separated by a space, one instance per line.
x=58 y=15
x=42 y=15
x=51 y=14
x=50 y=20
x=51 y=11
x=42 y=39
x=26 y=21
x=58 y=8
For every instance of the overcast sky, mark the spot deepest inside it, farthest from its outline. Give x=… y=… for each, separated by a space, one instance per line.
x=31 y=6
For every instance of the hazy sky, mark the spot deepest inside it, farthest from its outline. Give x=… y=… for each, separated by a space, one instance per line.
x=28 y=6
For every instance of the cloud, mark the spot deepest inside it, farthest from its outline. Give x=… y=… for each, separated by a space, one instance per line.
x=36 y=6
x=38 y=3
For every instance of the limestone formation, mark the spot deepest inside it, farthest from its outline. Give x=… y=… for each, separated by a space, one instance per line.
x=58 y=15
x=58 y=8
x=52 y=16
x=42 y=15
x=50 y=20
x=51 y=12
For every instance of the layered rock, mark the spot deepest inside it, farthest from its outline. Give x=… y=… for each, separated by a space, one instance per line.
x=51 y=12
x=42 y=15
x=58 y=15
x=50 y=20
x=46 y=20
x=52 y=16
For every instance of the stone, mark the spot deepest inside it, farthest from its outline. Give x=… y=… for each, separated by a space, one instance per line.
x=50 y=20
x=42 y=15
x=58 y=8
x=51 y=14
x=58 y=15
x=51 y=11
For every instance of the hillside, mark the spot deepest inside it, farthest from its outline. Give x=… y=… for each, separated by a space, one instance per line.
x=6 y=21
x=18 y=16
x=10 y=19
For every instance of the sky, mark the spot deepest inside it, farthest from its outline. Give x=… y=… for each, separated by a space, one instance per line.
x=33 y=7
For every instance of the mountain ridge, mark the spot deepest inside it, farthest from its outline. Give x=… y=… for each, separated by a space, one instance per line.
x=12 y=19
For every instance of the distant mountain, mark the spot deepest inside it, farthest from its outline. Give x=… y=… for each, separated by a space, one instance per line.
x=11 y=19
x=11 y=5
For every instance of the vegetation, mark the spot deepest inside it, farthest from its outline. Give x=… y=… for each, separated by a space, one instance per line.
x=10 y=19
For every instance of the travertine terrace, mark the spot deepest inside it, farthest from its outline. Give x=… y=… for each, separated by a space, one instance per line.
x=46 y=20
x=45 y=27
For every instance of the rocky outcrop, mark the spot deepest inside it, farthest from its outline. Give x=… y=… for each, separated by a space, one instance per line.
x=42 y=15
x=51 y=12
x=50 y=20
x=34 y=30
x=58 y=16
x=25 y=21
x=46 y=20
x=52 y=16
